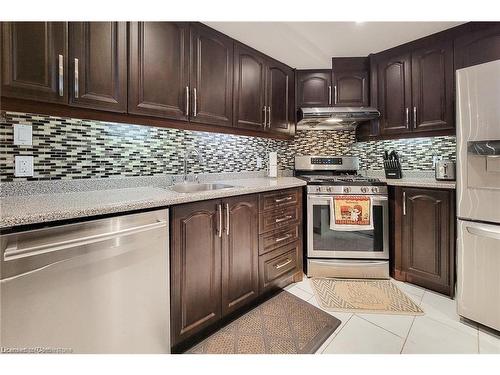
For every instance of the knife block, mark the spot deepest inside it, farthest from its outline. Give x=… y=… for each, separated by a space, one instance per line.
x=392 y=169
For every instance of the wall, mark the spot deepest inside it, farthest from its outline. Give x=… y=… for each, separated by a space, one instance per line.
x=75 y=149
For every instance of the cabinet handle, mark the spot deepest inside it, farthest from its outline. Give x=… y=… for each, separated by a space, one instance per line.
x=61 y=75
x=330 y=95
x=283 y=238
x=265 y=116
x=187 y=101
x=77 y=87
x=278 y=266
x=195 y=103
x=404 y=203
x=219 y=211
x=283 y=199
x=414 y=117
x=407 y=116
x=336 y=96
x=269 y=116
x=227 y=219
x=280 y=219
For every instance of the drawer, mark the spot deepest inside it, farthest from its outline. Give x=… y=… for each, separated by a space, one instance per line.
x=277 y=266
x=279 y=199
x=272 y=220
x=272 y=240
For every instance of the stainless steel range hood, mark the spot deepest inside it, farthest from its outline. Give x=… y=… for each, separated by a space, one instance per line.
x=335 y=118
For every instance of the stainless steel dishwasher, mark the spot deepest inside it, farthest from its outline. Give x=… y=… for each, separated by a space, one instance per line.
x=98 y=286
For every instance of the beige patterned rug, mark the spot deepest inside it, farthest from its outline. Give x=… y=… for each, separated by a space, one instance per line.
x=363 y=296
x=284 y=324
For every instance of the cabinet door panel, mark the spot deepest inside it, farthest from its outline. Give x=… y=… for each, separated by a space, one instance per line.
x=394 y=85
x=159 y=69
x=314 y=89
x=426 y=239
x=240 y=253
x=30 y=57
x=351 y=89
x=279 y=98
x=195 y=269
x=432 y=86
x=98 y=65
x=249 y=89
x=478 y=46
x=211 y=76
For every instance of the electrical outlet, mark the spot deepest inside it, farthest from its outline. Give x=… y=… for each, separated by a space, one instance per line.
x=259 y=162
x=23 y=135
x=24 y=166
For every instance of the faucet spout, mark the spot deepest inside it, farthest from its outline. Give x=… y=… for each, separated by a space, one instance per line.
x=190 y=151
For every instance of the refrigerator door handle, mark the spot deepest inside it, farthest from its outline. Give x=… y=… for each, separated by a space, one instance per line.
x=484 y=232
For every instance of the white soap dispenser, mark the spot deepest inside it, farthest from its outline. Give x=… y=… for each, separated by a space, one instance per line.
x=273 y=164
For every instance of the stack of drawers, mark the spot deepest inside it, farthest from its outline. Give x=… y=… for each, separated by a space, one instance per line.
x=280 y=238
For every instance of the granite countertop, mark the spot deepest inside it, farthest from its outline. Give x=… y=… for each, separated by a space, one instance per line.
x=40 y=208
x=424 y=182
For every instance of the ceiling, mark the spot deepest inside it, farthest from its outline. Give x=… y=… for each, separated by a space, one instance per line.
x=311 y=45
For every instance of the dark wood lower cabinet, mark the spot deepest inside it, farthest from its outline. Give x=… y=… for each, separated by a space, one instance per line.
x=216 y=271
x=195 y=269
x=240 y=253
x=424 y=238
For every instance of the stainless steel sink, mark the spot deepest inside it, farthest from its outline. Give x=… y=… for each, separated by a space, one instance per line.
x=194 y=188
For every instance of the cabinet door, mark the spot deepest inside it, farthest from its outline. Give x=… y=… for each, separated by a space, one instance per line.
x=314 y=88
x=428 y=238
x=280 y=96
x=394 y=94
x=478 y=46
x=98 y=65
x=159 y=69
x=240 y=250
x=211 y=79
x=432 y=87
x=195 y=268
x=34 y=61
x=350 y=89
x=249 y=88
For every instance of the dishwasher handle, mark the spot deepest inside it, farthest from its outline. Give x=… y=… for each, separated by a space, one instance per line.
x=12 y=252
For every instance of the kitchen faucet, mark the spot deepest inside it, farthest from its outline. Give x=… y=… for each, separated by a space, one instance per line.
x=189 y=151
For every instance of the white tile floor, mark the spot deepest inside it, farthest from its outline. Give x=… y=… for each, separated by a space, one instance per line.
x=438 y=331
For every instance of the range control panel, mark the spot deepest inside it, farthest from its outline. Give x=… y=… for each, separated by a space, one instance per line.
x=329 y=161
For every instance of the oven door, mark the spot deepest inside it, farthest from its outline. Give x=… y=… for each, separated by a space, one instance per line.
x=322 y=242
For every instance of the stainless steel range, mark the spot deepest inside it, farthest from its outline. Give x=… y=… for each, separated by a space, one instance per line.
x=339 y=252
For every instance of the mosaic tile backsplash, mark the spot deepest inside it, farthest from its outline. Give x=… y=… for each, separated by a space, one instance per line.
x=74 y=149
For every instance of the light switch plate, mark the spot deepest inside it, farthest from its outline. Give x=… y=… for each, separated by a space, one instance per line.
x=23 y=135
x=24 y=166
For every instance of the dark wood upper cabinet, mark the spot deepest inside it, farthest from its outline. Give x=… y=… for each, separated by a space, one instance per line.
x=240 y=278
x=314 y=88
x=34 y=61
x=350 y=80
x=280 y=97
x=98 y=65
x=478 y=46
x=394 y=93
x=159 y=69
x=428 y=237
x=211 y=76
x=432 y=87
x=249 y=92
x=195 y=268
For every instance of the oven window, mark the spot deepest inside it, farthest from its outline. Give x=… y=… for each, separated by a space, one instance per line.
x=328 y=240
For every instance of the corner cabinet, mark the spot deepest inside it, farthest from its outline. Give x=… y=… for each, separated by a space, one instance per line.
x=424 y=238
x=34 y=61
x=217 y=268
x=280 y=95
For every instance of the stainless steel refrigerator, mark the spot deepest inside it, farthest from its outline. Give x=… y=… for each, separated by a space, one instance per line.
x=478 y=193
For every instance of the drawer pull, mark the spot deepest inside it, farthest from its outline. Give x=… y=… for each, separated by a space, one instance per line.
x=280 y=219
x=289 y=198
x=283 y=238
x=287 y=262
